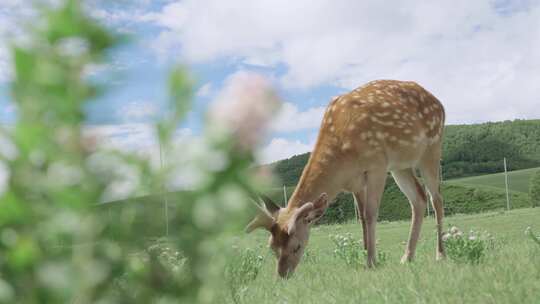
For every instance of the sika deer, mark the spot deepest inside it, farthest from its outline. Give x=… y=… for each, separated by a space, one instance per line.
x=385 y=125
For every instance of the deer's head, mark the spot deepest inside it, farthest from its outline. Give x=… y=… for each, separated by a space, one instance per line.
x=289 y=229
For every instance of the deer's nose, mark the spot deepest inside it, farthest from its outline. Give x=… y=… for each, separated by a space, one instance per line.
x=283 y=269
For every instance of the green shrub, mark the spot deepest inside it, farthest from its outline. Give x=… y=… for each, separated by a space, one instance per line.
x=470 y=248
x=242 y=268
x=530 y=233
x=348 y=248
x=352 y=252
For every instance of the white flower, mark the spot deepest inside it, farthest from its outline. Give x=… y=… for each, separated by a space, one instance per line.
x=454 y=230
x=8 y=150
x=446 y=236
x=472 y=237
x=64 y=174
x=245 y=107
x=4 y=177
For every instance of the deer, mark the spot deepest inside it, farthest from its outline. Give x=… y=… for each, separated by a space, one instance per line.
x=383 y=126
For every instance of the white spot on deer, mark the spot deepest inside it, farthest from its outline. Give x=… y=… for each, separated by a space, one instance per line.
x=332 y=129
x=363 y=136
x=395 y=116
x=355 y=106
x=407 y=131
x=385 y=104
x=380 y=135
x=426 y=110
x=346 y=146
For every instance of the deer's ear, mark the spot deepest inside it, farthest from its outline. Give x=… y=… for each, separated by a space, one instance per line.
x=319 y=207
x=309 y=212
x=298 y=215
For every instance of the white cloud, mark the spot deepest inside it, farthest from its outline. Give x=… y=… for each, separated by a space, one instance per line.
x=291 y=119
x=480 y=58
x=139 y=111
x=280 y=148
x=139 y=138
x=205 y=90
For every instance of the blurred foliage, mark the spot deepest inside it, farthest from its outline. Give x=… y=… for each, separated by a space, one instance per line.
x=534 y=189
x=55 y=246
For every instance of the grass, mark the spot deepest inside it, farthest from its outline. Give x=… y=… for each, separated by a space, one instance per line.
x=509 y=273
x=517 y=180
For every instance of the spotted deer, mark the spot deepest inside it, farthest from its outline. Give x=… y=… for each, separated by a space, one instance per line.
x=385 y=125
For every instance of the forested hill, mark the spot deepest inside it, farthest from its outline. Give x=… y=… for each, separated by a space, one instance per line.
x=467 y=150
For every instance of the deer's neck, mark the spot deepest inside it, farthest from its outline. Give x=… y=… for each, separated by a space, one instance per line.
x=319 y=176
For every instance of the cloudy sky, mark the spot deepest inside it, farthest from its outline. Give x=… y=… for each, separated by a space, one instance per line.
x=480 y=58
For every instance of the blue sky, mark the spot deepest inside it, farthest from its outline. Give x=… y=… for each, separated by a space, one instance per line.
x=480 y=58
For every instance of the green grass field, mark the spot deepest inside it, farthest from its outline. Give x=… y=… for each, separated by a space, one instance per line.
x=510 y=273
x=517 y=180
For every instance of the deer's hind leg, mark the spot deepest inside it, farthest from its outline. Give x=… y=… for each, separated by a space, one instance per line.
x=430 y=169
x=409 y=185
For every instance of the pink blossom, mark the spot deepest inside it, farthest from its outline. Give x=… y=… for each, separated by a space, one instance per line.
x=245 y=107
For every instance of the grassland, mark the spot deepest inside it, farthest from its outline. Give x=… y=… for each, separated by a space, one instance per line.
x=517 y=180
x=510 y=273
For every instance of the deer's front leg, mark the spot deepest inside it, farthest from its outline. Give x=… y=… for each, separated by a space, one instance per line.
x=360 y=205
x=375 y=187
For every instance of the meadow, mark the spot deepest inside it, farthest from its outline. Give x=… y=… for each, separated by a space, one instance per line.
x=509 y=271
x=517 y=180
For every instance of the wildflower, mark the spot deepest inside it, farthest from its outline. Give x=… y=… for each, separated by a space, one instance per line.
x=446 y=236
x=454 y=230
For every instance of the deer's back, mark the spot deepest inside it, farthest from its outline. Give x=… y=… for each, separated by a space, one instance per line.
x=397 y=119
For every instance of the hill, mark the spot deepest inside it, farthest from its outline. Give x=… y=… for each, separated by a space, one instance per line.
x=517 y=180
x=468 y=150
x=458 y=199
